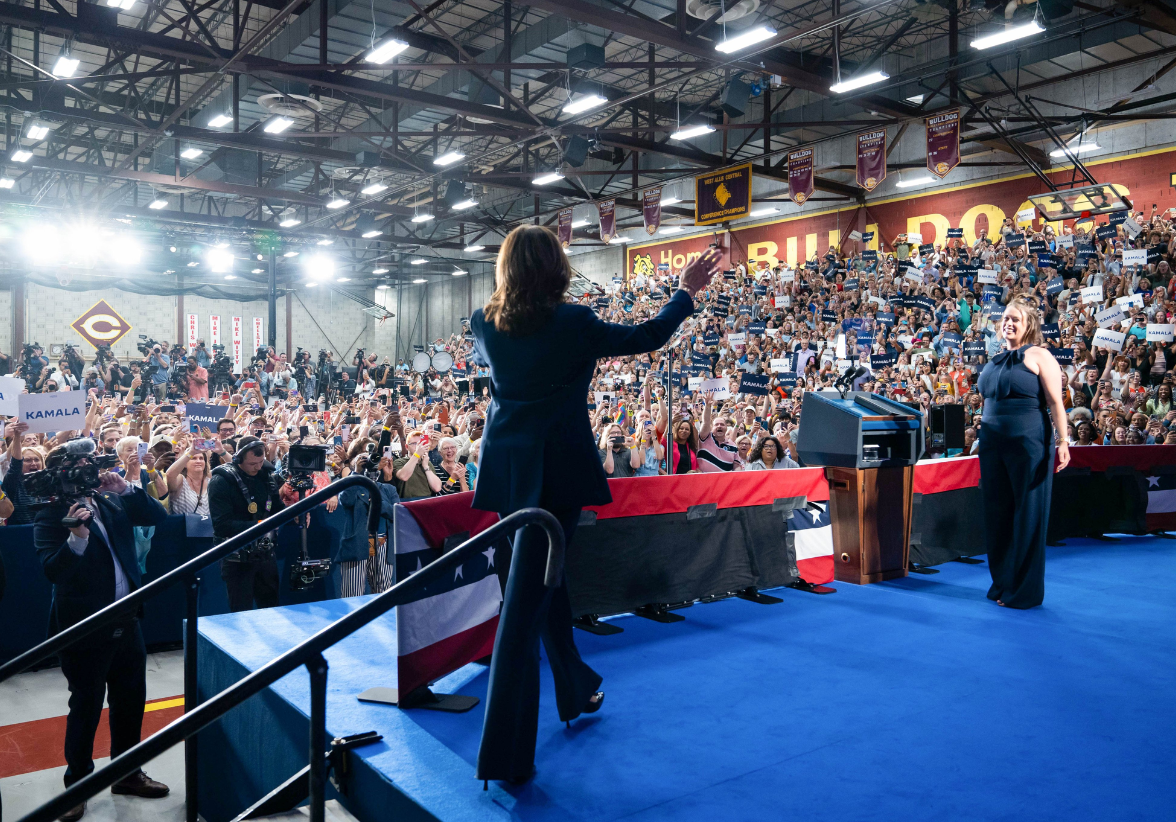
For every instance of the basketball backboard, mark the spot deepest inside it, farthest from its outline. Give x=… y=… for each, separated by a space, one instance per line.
x=1079 y=202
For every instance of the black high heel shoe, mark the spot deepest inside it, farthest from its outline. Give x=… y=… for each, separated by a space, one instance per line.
x=594 y=703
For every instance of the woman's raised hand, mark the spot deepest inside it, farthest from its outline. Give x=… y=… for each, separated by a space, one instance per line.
x=700 y=270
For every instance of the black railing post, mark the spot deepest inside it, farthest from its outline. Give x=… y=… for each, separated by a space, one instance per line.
x=316 y=666
x=191 y=774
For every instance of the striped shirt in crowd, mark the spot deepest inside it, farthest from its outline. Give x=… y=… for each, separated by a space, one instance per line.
x=715 y=457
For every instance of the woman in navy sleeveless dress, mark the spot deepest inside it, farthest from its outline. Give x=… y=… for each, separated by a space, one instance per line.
x=1021 y=387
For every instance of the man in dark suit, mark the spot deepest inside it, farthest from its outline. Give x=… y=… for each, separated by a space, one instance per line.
x=91 y=565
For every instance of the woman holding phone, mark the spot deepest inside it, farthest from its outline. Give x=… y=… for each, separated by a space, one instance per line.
x=187 y=481
x=538 y=450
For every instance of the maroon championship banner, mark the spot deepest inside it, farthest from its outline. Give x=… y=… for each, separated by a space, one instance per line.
x=871 y=158
x=800 y=175
x=943 y=142
x=564 y=227
x=651 y=207
x=608 y=219
x=722 y=195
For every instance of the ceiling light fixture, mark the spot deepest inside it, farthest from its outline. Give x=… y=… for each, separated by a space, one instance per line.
x=418 y=261
x=289 y=222
x=670 y=201
x=692 y=131
x=858 y=82
x=21 y=156
x=327 y=241
x=125 y=5
x=230 y=276
x=1075 y=150
x=760 y=212
x=474 y=249
x=381 y=271
x=259 y=271
x=448 y=159
x=158 y=204
x=1008 y=35
x=370 y=233
x=290 y=254
x=579 y=223
x=338 y=202
x=386 y=51
x=743 y=39
x=419 y=280
x=66 y=66
x=7 y=182
x=670 y=229
x=464 y=204
x=915 y=181
x=457 y=272
x=544 y=179
x=277 y=125
x=374 y=188
x=585 y=103
x=220 y=121
x=342 y=279
x=191 y=153
x=422 y=218
x=38 y=131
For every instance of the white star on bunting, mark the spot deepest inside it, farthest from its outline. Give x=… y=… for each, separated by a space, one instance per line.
x=489 y=554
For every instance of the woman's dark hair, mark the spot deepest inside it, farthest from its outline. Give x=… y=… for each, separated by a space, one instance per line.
x=758 y=450
x=692 y=442
x=530 y=279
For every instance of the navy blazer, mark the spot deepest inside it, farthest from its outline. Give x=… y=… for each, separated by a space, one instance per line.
x=353 y=502
x=538 y=447
x=81 y=584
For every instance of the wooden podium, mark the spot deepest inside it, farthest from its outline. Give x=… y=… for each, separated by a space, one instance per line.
x=870 y=512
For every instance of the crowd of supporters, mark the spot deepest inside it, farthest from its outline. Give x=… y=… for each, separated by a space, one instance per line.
x=919 y=320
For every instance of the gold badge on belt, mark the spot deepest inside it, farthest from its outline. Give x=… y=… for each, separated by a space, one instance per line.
x=253 y=507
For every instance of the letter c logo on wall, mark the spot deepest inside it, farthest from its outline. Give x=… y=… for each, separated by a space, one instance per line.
x=101 y=325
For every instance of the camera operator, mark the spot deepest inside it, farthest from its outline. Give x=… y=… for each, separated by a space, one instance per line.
x=240 y=495
x=5 y=364
x=203 y=359
x=90 y=559
x=363 y=560
x=159 y=376
x=91 y=380
x=34 y=366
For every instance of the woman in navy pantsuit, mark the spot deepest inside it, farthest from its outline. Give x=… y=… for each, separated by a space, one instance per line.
x=538 y=450
x=1019 y=386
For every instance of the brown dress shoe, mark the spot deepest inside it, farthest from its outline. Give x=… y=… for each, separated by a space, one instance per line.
x=140 y=784
x=74 y=814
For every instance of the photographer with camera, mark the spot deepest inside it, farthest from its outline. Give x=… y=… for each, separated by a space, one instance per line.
x=240 y=495
x=158 y=364
x=363 y=559
x=201 y=355
x=86 y=545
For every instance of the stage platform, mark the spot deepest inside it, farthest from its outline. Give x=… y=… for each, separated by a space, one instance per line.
x=916 y=699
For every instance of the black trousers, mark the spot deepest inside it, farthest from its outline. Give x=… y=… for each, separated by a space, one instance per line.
x=530 y=612
x=110 y=667
x=1016 y=480
x=249 y=581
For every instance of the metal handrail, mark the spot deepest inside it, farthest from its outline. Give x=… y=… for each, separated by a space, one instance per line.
x=309 y=653
x=131 y=602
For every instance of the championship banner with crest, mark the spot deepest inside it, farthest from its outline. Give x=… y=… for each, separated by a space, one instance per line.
x=564 y=227
x=800 y=175
x=871 y=158
x=606 y=209
x=651 y=208
x=722 y=195
x=943 y=142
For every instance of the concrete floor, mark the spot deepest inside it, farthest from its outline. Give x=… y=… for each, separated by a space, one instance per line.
x=42 y=695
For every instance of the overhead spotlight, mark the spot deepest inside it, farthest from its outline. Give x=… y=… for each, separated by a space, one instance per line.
x=744 y=39
x=37 y=131
x=915 y=181
x=191 y=153
x=381 y=287
x=422 y=218
x=419 y=280
x=580 y=223
x=380 y=271
x=692 y=131
x=220 y=121
x=760 y=212
x=311 y=284
x=374 y=188
x=448 y=159
x=367 y=227
x=545 y=179
x=260 y=256
x=418 y=261
x=230 y=276
x=289 y=222
x=474 y=249
x=277 y=125
x=338 y=202
x=125 y=5
x=193 y=264
x=1079 y=149
x=21 y=156
x=158 y=204
x=1008 y=35
x=7 y=182
x=259 y=271
x=290 y=254
x=464 y=204
x=585 y=103
x=858 y=82
x=386 y=50
x=124 y=251
x=670 y=201
x=457 y=272
x=342 y=279
x=219 y=260
x=66 y=65
x=370 y=233
x=327 y=241
x=320 y=267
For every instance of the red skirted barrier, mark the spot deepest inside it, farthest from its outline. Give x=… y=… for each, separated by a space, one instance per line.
x=1105 y=489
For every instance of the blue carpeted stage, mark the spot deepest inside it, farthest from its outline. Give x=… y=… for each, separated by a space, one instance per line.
x=915 y=699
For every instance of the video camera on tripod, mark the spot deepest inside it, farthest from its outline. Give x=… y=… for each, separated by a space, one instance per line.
x=302 y=462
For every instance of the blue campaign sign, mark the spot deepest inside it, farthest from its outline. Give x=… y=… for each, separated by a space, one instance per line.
x=1051 y=331
x=723 y=299
x=1064 y=356
x=870 y=255
x=720 y=311
x=850 y=285
x=1045 y=261
x=952 y=339
x=1015 y=239
x=700 y=358
x=754 y=384
x=1055 y=286
x=975 y=349
x=204 y=415
x=867 y=236
x=882 y=360
x=955 y=234
x=885 y=317
x=926 y=303
x=760 y=290
x=745 y=309
x=1038 y=247
x=865 y=339
x=829 y=316
x=710 y=339
x=1106 y=232
x=757 y=328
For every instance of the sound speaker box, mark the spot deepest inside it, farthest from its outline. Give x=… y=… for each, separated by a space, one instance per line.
x=947 y=427
x=576 y=151
x=735 y=96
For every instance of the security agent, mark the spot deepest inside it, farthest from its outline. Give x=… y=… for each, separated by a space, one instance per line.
x=240 y=495
x=91 y=565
